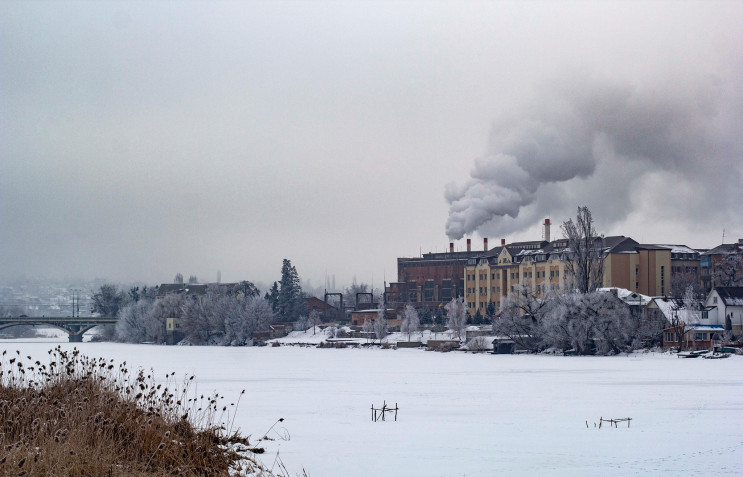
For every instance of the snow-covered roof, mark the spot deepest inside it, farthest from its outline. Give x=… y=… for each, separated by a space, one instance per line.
x=628 y=296
x=679 y=248
x=671 y=308
x=731 y=296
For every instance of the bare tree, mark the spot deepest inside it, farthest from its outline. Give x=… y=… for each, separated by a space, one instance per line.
x=728 y=272
x=682 y=280
x=410 y=320
x=585 y=257
x=456 y=313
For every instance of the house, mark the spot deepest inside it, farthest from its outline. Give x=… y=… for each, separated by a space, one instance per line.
x=725 y=304
x=694 y=336
x=359 y=317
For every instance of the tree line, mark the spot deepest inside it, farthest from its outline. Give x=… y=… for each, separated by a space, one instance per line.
x=227 y=314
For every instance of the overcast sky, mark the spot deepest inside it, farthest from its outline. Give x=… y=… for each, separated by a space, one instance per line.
x=141 y=139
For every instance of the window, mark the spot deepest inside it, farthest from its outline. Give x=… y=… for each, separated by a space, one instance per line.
x=714 y=299
x=700 y=336
x=669 y=337
x=705 y=315
x=662 y=280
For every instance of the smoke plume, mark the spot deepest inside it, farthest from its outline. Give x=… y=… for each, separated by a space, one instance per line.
x=614 y=146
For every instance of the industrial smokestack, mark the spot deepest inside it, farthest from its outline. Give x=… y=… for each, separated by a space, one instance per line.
x=502 y=242
x=451 y=247
x=546 y=230
x=469 y=245
x=485 y=244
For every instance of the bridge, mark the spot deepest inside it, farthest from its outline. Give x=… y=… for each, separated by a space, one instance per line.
x=75 y=327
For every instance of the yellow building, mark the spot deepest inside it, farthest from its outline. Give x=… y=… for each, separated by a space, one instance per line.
x=542 y=265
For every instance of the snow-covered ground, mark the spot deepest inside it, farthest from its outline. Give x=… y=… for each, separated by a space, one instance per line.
x=465 y=414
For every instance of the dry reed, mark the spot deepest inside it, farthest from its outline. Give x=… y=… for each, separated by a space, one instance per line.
x=89 y=417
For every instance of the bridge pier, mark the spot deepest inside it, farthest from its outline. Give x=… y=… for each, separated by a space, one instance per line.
x=76 y=337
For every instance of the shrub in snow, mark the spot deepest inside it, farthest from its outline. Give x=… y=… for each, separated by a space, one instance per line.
x=479 y=344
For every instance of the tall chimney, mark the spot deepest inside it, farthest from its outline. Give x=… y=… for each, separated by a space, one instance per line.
x=451 y=247
x=469 y=245
x=485 y=244
x=546 y=230
x=502 y=242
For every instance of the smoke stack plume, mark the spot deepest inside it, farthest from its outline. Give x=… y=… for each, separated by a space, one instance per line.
x=585 y=140
x=485 y=244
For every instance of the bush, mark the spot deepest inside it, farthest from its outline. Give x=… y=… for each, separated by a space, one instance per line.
x=480 y=344
x=84 y=416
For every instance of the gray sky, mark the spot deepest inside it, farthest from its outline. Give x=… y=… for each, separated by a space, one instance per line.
x=141 y=139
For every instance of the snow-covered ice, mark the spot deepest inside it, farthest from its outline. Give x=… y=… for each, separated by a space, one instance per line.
x=466 y=414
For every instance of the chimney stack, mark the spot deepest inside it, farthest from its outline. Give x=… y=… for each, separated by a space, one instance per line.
x=502 y=242
x=469 y=245
x=546 y=230
x=485 y=244
x=451 y=247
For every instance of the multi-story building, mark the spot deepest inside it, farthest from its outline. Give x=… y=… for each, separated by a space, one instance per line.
x=493 y=275
x=723 y=258
x=433 y=278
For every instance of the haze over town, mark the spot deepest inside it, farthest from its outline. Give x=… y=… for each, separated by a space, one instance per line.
x=138 y=140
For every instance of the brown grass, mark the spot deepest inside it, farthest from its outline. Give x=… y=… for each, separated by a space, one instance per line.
x=77 y=416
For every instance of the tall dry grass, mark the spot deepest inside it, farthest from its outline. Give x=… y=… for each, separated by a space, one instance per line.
x=80 y=416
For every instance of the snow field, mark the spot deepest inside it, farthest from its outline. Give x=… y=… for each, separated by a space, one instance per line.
x=465 y=414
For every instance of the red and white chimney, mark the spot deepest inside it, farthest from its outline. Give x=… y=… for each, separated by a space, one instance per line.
x=451 y=247
x=485 y=244
x=502 y=242
x=546 y=230
x=469 y=245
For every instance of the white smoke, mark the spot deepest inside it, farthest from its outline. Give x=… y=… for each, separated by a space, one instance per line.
x=600 y=143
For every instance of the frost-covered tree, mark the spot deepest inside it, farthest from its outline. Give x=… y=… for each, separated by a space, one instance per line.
x=178 y=278
x=456 y=314
x=588 y=322
x=380 y=323
x=305 y=322
x=521 y=315
x=584 y=259
x=224 y=319
x=410 y=320
x=193 y=279
x=135 y=323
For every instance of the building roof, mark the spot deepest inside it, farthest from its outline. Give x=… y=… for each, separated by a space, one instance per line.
x=628 y=296
x=724 y=249
x=730 y=296
x=185 y=288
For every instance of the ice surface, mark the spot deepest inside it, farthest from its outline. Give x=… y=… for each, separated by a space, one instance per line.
x=466 y=414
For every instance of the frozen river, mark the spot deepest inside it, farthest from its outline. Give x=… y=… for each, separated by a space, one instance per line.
x=463 y=414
